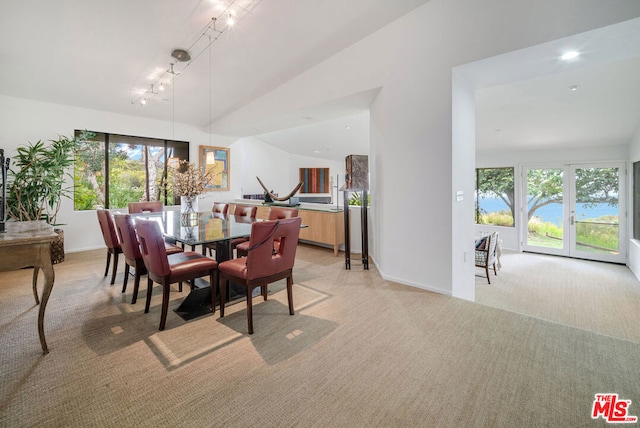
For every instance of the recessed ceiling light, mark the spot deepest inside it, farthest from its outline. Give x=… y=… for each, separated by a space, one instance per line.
x=316 y=151
x=347 y=127
x=569 y=55
x=573 y=88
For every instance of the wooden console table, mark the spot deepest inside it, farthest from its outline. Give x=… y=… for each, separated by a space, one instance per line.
x=28 y=244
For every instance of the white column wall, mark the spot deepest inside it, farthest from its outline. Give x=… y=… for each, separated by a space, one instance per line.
x=464 y=153
x=634 y=245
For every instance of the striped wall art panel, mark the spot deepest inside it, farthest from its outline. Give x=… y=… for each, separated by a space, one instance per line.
x=316 y=180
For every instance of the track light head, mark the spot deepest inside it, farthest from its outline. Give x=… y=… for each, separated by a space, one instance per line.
x=181 y=55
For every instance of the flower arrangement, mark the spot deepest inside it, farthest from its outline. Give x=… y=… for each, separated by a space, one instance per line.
x=192 y=181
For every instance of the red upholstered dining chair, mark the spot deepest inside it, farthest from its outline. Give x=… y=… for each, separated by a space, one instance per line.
x=263 y=265
x=145 y=206
x=132 y=254
x=220 y=208
x=278 y=213
x=168 y=269
x=275 y=213
x=111 y=240
x=241 y=212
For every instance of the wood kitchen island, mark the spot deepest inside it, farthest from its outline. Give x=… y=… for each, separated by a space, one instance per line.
x=324 y=225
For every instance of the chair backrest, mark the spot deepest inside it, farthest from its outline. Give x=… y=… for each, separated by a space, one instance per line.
x=278 y=213
x=128 y=236
x=245 y=211
x=108 y=229
x=261 y=260
x=154 y=253
x=220 y=208
x=493 y=242
x=145 y=206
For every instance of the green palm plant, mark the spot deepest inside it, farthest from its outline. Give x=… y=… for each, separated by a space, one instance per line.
x=37 y=179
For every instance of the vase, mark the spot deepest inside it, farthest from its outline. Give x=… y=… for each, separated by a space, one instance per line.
x=188 y=204
x=188 y=211
x=57 y=247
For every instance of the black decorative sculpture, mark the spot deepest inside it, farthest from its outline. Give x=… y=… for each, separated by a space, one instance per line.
x=4 y=166
x=274 y=197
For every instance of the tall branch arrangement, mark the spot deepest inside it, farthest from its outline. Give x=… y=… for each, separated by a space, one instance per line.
x=192 y=181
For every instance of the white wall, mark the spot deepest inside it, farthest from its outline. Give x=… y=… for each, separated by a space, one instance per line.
x=463 y=176
x=27 y=120
x=34 y=120
x=414 y=173
x=278 y=169
x=262 y=160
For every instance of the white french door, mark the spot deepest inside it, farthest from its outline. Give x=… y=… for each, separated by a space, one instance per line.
x=575 y=210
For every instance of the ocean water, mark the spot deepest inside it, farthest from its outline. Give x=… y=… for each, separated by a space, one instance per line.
x=552 y=213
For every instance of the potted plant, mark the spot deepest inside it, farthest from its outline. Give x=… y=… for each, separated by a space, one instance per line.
x=37 y=182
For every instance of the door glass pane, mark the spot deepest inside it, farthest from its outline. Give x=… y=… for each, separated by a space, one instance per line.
x=545 y=209
x=596 y=210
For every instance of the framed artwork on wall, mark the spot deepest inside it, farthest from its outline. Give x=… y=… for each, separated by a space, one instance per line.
x=215 y=161
x=316 y=180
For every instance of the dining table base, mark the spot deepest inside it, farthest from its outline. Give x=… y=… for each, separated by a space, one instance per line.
x=198 y=302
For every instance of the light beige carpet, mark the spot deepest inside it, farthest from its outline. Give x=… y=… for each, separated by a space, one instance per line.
x=595 y=296
x=360 y=351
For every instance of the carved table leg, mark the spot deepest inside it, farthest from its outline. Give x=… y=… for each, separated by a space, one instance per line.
x=49 y=276
x=36 y=269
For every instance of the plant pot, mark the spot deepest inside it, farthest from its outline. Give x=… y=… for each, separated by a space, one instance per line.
x=57 y=247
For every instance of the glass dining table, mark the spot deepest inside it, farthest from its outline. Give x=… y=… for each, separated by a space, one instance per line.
x=206 y=229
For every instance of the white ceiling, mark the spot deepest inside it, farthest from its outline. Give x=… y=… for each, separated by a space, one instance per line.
x=523 y=100
x=98 y=55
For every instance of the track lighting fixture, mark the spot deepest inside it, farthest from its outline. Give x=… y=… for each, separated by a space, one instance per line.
x=183 y=57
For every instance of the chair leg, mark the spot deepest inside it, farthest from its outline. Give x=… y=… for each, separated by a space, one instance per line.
x=290 y=293
x=264 y=290
x=165 y=305
x=214 y=286
x=126 y=277
x=149 y=288
x=136 y=287
x=494 y=269
x=223 y=294
x=486 y=269
x=250 y=309
x=115 y=267
x=106 y=270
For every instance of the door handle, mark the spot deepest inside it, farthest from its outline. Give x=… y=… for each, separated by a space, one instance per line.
x=571 y=220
